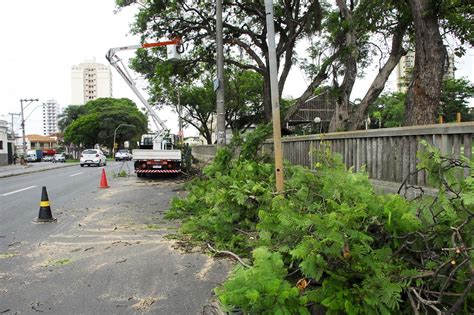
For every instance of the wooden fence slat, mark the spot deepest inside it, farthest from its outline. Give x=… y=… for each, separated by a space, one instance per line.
x=369 y=156
x=467 y=144
x=363 y=153
x=405 y=163
x=390 y=161
x=413 y=150
x=379 y=158
x=421 y=174
x=373 y=152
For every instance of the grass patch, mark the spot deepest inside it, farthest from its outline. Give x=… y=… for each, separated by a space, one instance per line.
x=153 y=227
x=58 y=262
x=7 y=255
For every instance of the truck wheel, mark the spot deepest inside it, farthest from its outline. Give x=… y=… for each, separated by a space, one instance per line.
x=139 y=174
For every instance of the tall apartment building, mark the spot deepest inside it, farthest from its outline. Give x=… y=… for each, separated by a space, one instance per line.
x=51 y=111
x=406 y=64
x=90 y=80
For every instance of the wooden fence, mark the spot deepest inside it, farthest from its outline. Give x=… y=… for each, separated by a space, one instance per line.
x=387 y=154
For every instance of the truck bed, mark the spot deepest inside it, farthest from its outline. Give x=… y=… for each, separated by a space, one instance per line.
x=145 y=154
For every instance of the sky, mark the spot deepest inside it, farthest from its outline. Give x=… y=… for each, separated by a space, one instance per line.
x=41 y=40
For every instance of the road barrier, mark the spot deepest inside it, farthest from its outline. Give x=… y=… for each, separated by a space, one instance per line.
x=45 y=214
x=103 y=180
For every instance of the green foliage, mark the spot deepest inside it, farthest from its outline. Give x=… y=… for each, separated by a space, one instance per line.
x=362 y=253
x=388 y=111
x=262 y=289
x=95 y=122
x=455 y=95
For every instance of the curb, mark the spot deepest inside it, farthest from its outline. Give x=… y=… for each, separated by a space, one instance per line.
x=37 y=170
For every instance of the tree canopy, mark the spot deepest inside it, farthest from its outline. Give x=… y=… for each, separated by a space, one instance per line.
x=96 y=121
x=389 y=109
x=345 y=38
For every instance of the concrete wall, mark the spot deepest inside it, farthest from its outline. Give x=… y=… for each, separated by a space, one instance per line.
x=4 y=142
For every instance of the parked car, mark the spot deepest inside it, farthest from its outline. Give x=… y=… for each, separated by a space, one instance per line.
x=92 y=157
x=59 y=158
x=123 y=155
x=47 y=158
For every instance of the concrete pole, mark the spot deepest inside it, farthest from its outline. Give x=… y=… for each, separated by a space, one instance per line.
x=219 y=85
x=23 y=122
x=23 y=144
x=275 y=96
x=13 y=124
x=180 y=119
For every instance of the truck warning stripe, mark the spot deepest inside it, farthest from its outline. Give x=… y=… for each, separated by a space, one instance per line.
x=157 y=171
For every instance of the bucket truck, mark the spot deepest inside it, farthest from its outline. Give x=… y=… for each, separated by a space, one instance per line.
x=155 y=153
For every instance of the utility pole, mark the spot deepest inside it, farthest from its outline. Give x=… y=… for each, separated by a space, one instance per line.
x=219 y=83
x=275 y=95
x=13 y=125
x=30 y=100
x=180 y=119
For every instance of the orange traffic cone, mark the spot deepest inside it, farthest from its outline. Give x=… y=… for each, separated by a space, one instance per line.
x=45 y=214
x=103 y=180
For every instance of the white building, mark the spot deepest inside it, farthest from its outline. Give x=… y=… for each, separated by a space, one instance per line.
x=89 y=81
x=405 y=67
x=51 y=111
x=3 y=143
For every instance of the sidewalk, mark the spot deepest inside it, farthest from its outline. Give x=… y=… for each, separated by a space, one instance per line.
x=14 y=170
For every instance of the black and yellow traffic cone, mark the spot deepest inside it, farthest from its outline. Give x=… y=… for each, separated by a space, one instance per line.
x=45 y=214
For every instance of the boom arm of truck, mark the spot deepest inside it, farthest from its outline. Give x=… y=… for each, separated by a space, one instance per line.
x=117 y=63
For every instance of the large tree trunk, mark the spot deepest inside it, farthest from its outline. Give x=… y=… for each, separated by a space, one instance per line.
x=341 y=116
x=378 y=84
x=424 y=91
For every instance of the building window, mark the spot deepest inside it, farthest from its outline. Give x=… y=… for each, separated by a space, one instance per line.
x=1 y=145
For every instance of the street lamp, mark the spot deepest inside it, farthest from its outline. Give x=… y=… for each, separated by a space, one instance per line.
x=115 y=134
x=30 y=100
x=317 y=121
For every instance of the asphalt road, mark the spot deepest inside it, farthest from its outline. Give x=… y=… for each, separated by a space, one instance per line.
x=107 y=253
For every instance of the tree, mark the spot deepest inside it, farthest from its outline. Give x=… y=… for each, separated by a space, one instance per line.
x=424 y=89
x=245 y=30
x=244 y=95
x=70 y=114
x=454 y=17
x=356 y=33
x=198 y=102
x=99 y=120
x=455 y=94
x=389 y=109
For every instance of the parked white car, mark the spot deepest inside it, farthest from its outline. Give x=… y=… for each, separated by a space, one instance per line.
x=47 y=158
x=59 y=158
x=123 y=155
x=92 y=157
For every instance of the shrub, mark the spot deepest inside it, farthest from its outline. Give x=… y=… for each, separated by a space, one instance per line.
x=360 y=252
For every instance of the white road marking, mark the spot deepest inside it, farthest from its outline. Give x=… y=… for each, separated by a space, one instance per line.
x=14 y=192
x=76 y=174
